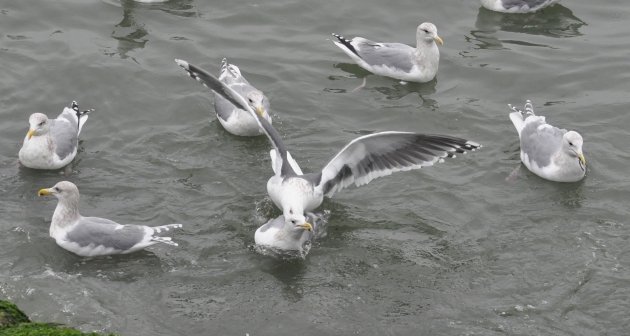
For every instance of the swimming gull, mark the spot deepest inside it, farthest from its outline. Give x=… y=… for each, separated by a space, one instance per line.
x=94 y=236
x=362 y=160
x=233 y=119
x=517 y=6
x=53 y=143
x=397 y=60
x=273 y=238
x=552 y=153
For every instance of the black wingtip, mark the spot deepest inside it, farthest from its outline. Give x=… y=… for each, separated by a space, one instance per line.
x=79 y=113
x=346 y=43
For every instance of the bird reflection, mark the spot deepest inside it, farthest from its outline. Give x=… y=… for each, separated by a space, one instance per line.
x=396 y=91
x=556 y=21
x=130 y=34
x=290 y=274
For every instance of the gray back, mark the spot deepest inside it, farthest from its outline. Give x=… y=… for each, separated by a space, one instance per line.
x=396 y=55
x=65 y=132
x=101 y=231
x=541 y=144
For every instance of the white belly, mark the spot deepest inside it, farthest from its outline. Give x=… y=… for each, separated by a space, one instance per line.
x=38 y=153
x=241 y=123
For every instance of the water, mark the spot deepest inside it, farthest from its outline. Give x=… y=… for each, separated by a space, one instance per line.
x=448 y=250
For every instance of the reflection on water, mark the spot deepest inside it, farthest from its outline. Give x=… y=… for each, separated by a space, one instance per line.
x=395 y=91
x=556 y=21
x=571 y=195
x=399 y=90
x=290 y=273
x=129 y=33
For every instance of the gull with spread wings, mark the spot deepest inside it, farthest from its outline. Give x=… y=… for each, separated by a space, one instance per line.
x=359 y=162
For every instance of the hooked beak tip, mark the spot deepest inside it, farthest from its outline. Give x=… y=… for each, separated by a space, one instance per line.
x=30 y=133
x=43 y=192
x=582 y=159
x=261 y=111
x=439 y=40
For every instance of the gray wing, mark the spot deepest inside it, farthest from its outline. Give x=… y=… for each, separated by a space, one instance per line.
x=101 y=231
x=396 y=55
x=238 y=100
x=380 y=154
x=277 y=222
x=540 y=141
x=65 y=133
x=224 y=108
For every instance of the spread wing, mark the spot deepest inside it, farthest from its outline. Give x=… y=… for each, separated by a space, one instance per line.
x=380 y=154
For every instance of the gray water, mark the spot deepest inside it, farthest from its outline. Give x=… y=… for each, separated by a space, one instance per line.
x=456 y=249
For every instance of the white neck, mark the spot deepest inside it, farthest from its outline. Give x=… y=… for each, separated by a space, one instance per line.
x=570 y=162
x=427 y=52
x=66 y=213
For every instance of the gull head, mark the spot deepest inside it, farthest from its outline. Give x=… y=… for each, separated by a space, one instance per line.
x=64 y=191
x=256 y=101
x=295 y=220
x=38 y=125
x=572 y=145
x=427 y=33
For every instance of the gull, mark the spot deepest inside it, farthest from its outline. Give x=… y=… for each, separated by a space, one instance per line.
x=276 y=239
x=552 y=153
x=95 y=236
x=397 y=60
x=362 y=160
x=53 y=143
x=517 y=6
x=234 y=119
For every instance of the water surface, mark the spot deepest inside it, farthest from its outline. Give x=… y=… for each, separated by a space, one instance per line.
x=449 y=250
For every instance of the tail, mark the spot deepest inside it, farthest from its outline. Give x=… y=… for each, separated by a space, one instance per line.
x=164 y=228
x=224 y=65
x=228 y=69
x=165 y=240
x=345 y=43
x=518 y=117
x=159 y=229
x=82 y=116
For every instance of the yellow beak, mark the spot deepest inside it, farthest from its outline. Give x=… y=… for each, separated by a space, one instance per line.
x=43 y=192
x=582 y=159
x=306 y=226
x=439 y=40
x=261 y=111
x=30 y=133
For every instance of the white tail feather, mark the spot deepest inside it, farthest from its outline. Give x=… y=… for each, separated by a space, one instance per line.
x=517 y=117
x=165 y=240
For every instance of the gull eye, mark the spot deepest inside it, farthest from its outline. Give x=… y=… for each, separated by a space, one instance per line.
x=570 y=143
x=250 y=100
x=41 y=123
x=57 y=189
x=293 y=222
